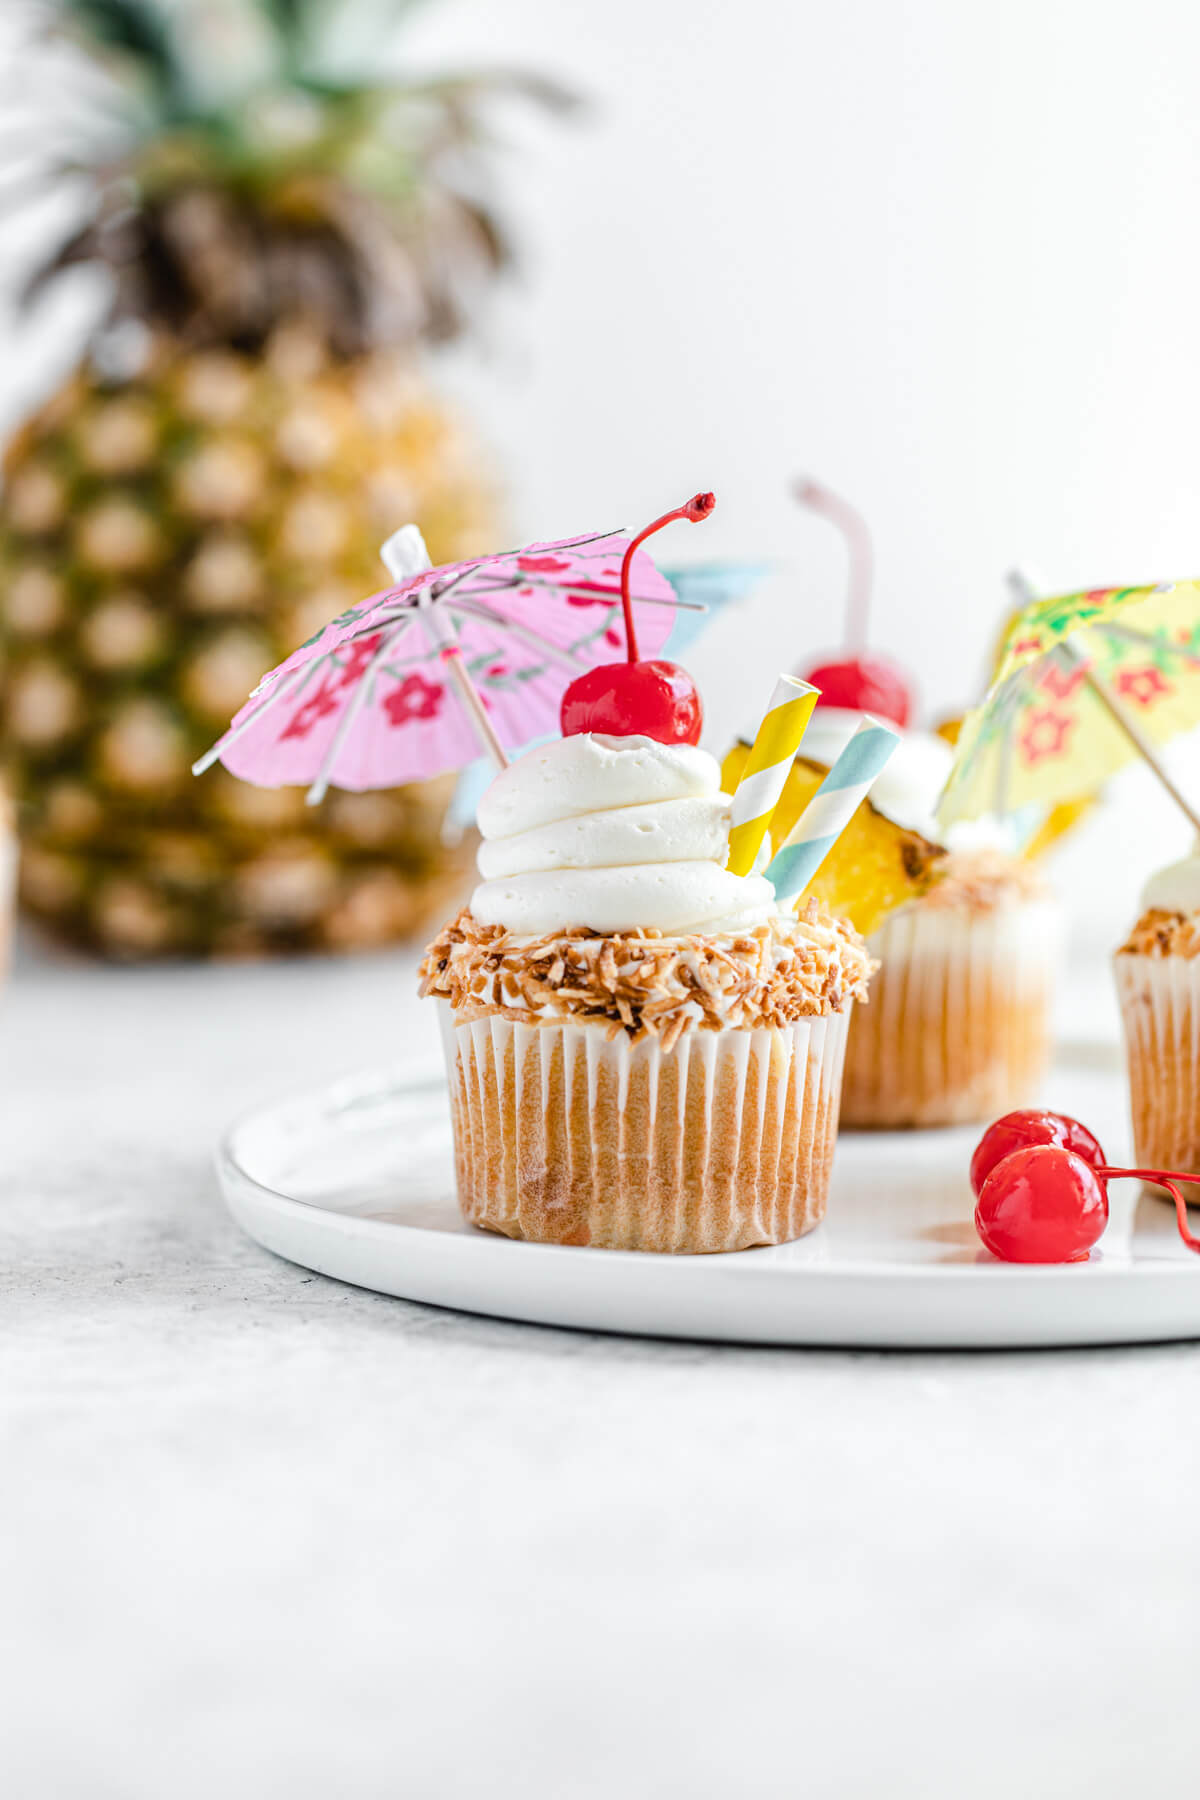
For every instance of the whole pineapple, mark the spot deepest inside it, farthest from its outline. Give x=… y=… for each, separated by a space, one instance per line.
x=210 y=486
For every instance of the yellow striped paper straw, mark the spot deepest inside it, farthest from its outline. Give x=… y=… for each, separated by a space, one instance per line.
x=767 y=767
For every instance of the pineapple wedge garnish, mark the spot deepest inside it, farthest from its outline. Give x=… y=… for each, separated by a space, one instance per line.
x=876 y=865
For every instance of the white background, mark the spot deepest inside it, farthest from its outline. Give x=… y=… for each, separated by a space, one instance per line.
x=942 y=255
x=272 y=1536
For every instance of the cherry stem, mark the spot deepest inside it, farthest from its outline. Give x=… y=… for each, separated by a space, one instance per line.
x=697 y=508
x=856 y=532
x=1162 y=1178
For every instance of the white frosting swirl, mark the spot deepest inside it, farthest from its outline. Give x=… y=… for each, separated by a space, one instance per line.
x=615 y=834
x=1175 y=889
x=907 y=790
x=687 y=830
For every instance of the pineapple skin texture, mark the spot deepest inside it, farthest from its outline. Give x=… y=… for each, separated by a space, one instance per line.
x=163 y=541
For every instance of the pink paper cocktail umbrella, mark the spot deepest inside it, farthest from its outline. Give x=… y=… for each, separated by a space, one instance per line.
x=410 y=683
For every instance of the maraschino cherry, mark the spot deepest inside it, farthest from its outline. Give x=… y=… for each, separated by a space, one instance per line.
x=860 y=682
x=1042 y=1186
x=1020 y=1130
x=1042 y=1204
x=864 y=684
x=655 y=699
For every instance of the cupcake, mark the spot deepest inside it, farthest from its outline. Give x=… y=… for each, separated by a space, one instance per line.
x=642 y=1052
x=958 y=1028
x=1157 y=972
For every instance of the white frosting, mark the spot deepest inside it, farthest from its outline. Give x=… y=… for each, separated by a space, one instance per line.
x=1176 y=888
x=695 y=830
x=588 y=773
x=908 y=788
x=615 y=834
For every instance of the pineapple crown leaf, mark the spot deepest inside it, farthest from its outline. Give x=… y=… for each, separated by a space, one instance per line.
x=128 y=27
x=134 y=40
x=282 y=184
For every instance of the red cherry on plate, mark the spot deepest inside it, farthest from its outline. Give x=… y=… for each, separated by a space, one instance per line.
x=864 y=684
x=1032 y=1125
x=1042 y=1204
x=646 y=699
x=635 y=698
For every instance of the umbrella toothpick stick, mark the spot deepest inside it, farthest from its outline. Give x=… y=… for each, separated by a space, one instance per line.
x=405 y=556
x=439 y=628
x=1024 y=592
x=464 y=687
x=1137 y=737
x=320 y=786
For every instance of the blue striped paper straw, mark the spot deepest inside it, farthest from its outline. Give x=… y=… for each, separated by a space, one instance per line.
x=831 y=808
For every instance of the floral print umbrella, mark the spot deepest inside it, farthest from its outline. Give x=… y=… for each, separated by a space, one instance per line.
x=406 y=685
x=1086 y=682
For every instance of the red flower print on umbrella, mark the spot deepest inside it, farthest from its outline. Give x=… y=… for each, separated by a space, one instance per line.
x=544 y=565
x=401 y=659
x=1145 y=686
x=1086 y=682
x=359 y=659
x=1045 y=734
x=415 y=698
x=1063 y=683
x=599 y=592
x=318 y=706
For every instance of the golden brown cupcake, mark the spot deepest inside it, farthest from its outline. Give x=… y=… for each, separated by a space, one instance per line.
x=1157 y=972
x=642 y=1053
x=958 y=1028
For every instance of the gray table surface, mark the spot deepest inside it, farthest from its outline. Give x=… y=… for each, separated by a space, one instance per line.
x=262 y=1534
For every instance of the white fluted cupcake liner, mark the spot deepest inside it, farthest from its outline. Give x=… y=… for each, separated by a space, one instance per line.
x=958 y=1026
x=564 y=1135
x=1160 y=1012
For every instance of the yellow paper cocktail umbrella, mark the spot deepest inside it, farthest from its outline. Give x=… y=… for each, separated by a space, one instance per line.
x=1086 y=682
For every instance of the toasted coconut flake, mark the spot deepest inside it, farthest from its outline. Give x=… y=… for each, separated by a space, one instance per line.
x=644 y=983
x=982 y=880
x=1159 y=933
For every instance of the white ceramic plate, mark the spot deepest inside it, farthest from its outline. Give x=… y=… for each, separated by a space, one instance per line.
x=356 y=1181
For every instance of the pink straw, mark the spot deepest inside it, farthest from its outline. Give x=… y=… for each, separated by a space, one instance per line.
x=854 y=529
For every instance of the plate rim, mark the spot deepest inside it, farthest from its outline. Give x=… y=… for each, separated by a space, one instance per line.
x=376 y=1081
